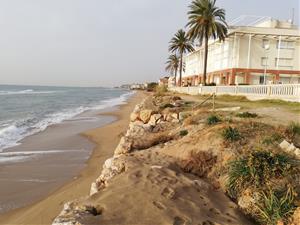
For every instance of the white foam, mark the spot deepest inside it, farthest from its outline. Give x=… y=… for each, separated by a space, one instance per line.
x=26 y=92
x=6 y=157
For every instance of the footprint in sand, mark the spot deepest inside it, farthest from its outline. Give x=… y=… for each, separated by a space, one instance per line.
x=215 y=211
x=208 y=222
x=168 y=193
x=181 y=221
x=159 y=205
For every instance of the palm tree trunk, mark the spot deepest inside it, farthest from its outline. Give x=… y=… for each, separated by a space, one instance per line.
x=180 y=72
x=205 y=59
x=176 y=76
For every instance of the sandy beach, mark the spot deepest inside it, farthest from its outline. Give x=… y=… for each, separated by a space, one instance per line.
x=106 y=139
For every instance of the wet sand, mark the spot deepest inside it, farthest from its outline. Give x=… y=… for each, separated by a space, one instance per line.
x=106 y=139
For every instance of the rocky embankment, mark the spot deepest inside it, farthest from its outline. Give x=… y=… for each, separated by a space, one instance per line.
x=152 y=177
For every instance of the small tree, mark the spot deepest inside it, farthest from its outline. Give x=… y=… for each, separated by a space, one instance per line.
x=172 y=65
x=180 y=43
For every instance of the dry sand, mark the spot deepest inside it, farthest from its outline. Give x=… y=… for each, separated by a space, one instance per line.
x=106 y=138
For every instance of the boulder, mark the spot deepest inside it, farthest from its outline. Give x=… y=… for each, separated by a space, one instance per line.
x=134 y=116
x=94 y=188
x=124 y=146
x=154 y=118
x=145 y=115
x=174 y=115
x=296 y=217
x=284 y=145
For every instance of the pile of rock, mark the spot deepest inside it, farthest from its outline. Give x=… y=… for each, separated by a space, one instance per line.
x=111 y=168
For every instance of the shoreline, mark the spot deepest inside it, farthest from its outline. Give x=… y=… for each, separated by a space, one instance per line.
x=35 y=213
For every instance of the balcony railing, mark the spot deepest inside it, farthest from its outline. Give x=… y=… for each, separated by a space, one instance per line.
x=287 y=92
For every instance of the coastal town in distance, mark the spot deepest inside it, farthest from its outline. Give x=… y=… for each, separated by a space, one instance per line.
x=150 y=112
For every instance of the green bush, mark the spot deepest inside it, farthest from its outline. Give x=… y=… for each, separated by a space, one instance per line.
x=257 y=169
x=160 y=90
x=247 y=115
x=168 y=105
x=231 y=134
x=213 y=119
x=293 y=129
x=273 y=139
x=183 y=133
x=276 y=206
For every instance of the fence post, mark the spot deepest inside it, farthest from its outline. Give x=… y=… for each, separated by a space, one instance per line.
x=269 y=90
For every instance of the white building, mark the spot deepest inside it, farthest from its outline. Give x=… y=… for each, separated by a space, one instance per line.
x=258 y=50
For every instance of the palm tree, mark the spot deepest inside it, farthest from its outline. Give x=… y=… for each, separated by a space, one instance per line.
x=173 y=64
x=206 y=21
x=181 y=44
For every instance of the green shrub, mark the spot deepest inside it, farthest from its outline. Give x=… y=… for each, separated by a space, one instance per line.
x=247 y=115
x=213 y=119
x=183 y=133
x=293 y=129
x=273 y=139
x=276 y=206
x=257 y=169
x=168 y=105
x=160 y=90
x=231 y=134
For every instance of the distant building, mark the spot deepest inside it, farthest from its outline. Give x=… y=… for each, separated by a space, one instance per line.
x=258 y=50
x=163 y=81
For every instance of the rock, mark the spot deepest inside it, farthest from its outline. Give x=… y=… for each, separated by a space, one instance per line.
x=297 y=153
x=296 y=217
x=134 y=116
x=291 y=148
x=124 y=146
x=284 y=145
x=174 y=115
x=154 y=118
x=94 y=189
x=175 y=121
x=145 y=115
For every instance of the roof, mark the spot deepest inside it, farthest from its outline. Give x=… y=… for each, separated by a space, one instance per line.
x=248 y=20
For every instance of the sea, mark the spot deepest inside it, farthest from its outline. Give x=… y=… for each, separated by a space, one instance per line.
x=27 y=110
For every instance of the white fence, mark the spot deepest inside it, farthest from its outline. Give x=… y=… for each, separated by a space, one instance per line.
x=287 y=92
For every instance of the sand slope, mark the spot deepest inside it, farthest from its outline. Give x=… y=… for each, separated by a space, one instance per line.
x=154 y=190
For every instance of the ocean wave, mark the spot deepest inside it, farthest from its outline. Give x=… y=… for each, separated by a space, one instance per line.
x=13 y=133
x=26 y=92
x=6 y=157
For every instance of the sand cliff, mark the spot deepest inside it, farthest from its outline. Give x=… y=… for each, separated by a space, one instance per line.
x=144 y=182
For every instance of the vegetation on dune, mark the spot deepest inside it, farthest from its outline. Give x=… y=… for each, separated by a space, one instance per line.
x=160 y=90
x=276 y=206
x=180 y=43
x=258 y=169
x=247 y=115
x=293 y=129
x=183 y=133
x=206 y=21
x=213 y=119
x=231 y=134
x=199 y=163
x=273 y=139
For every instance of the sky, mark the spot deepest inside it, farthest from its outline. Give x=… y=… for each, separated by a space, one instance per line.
x=101 y=42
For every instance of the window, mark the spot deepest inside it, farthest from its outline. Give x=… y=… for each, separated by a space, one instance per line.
x=265 y=42
x=284 y=62
x=285 y=44
x=264 y=61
